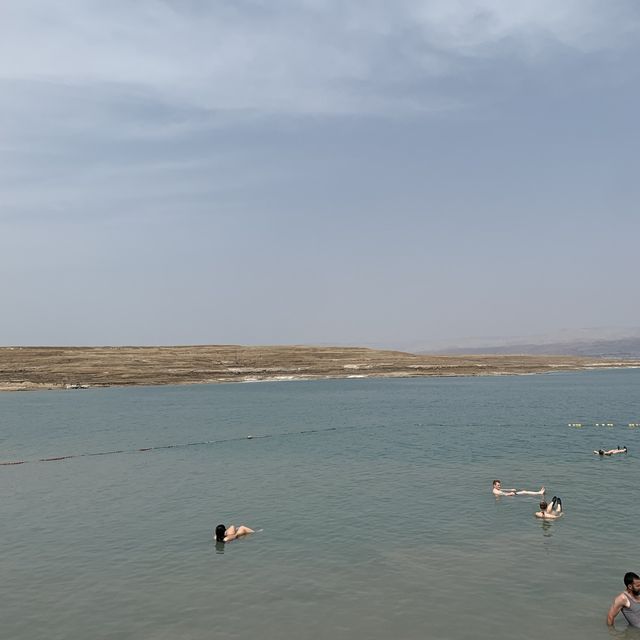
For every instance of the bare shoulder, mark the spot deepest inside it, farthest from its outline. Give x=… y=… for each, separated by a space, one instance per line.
x=622 y=600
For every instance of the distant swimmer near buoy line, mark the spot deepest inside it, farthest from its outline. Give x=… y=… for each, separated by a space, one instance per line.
x=610 y=452
x=499 y=491
x=227 y=534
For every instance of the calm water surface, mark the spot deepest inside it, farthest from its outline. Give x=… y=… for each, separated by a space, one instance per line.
x=377 y=522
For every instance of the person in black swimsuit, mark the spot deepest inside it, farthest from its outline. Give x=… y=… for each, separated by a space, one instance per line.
x=550 y=511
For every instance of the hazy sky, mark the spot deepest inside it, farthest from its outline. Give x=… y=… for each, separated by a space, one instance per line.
x=317 y=171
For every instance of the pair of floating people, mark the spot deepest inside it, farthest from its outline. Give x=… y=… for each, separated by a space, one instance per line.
x=547 y=511
x=610 y=452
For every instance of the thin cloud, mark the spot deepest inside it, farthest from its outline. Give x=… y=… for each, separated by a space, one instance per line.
x=302 y=57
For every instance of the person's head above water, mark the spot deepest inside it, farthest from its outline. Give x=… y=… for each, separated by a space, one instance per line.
x=496 y=483
x=600 y=452
x=220 y=531
x=543 y=505
x=632 y=582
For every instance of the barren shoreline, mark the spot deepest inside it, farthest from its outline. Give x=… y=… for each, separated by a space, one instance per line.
x=29 y=368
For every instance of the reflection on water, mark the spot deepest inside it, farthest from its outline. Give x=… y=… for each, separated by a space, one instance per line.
x=220 y=546
x=628 y=633
x=547 y=528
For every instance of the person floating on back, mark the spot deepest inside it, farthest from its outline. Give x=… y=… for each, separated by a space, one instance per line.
x=550 y=511
x=224 y=534
x=628 y=602
x=499 y=491
x=610 y=452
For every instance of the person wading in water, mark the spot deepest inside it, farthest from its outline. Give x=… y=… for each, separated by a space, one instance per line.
x=628 y=602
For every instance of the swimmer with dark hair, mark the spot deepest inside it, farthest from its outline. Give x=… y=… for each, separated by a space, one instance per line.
x=224 y=534
x=550 y=511
x=610 y=452
x=628 y=602
x=499 y=491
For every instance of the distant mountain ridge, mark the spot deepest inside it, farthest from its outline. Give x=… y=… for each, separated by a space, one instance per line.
x=622 y=348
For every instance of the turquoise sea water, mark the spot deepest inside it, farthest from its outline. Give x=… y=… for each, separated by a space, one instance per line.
x=377 y=522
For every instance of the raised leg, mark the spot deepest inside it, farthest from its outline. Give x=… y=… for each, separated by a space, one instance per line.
x=242 y=530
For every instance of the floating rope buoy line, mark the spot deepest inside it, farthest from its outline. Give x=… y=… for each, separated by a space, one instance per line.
x=166 y=446
x=182 y=445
